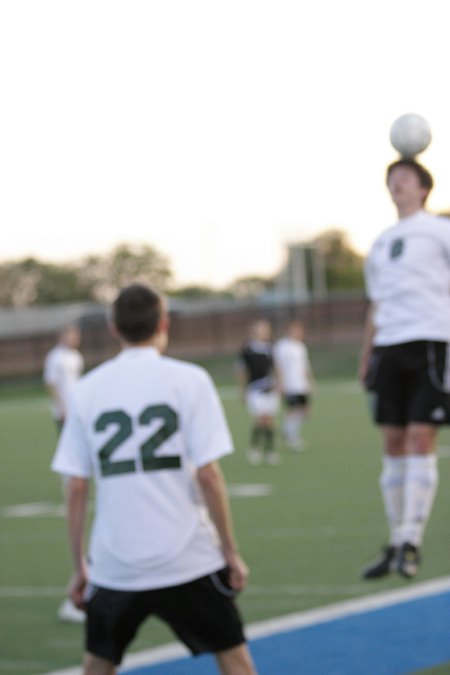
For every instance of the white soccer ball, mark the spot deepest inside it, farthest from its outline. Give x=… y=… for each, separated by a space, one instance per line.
x=410 y=135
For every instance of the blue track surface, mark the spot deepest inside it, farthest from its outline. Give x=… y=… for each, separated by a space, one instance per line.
x=396 y=640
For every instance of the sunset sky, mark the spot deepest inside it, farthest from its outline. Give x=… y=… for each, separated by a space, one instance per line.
x=214 y=131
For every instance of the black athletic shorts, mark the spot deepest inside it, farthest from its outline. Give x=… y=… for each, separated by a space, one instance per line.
x=296 y=400
x=202 y=613
x=410 y=383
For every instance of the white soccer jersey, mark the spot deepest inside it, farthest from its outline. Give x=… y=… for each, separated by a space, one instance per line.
x=408 y=280
x=62 y=369
x=141 y=424
x=292 y=363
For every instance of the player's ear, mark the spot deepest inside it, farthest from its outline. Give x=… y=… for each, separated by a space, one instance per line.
x=164 y=323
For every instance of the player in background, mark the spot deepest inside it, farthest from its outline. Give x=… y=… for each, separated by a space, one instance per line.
x=295 y=380
x=256 y=376
x=149 y=430
x=405 y=360
x=62 y=367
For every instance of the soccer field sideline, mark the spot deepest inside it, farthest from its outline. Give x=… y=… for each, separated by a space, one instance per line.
x=137 y=664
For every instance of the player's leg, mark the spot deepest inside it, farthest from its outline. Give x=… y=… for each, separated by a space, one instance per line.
x=392 y=480
x=428 y=407
x=421 y=481
x=296 y=410
x=269 y=408
x=271 y=455
x=253 y=403
x=95 y=665
x=205 y=617
x=235 y=661
x=113 y=619
x=392 y=490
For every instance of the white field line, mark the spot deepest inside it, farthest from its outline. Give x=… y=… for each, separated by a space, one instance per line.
x=49 y=509
x=295 y=621
x=274 y=589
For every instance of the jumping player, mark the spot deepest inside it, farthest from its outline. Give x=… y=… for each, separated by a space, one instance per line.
x=405 y=360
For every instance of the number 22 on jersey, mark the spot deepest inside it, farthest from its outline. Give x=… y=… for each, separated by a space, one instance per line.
x=124 y=429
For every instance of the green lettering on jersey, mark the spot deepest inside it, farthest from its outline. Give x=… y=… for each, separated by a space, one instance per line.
x=149 y=461
x=124 y=424
x=397 y=247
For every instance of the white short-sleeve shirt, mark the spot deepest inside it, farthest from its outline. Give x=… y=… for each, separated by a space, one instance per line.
x=140 y=424
x=292 y=363
x=62 y=368
x=408 y=280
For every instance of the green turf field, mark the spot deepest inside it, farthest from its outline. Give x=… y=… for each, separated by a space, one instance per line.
x=318 y=521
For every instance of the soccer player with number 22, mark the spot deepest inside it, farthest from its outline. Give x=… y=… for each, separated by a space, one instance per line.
x=150 y=430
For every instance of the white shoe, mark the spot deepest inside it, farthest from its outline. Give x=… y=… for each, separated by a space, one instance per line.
x=254 y=456
x=71 y=614
x=273 y=458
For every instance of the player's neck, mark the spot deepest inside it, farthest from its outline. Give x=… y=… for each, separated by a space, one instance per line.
x=158 y=342
x=404 y=211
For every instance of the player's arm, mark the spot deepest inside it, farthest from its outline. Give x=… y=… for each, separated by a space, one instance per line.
x=212 y=484
x=277 y=373
x=367 y=345
x=77 y=490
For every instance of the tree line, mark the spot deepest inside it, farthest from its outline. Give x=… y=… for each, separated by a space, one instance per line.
x=96 y=278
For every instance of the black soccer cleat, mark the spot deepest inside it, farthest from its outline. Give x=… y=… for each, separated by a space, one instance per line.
x=408 y=561
x=383 y=565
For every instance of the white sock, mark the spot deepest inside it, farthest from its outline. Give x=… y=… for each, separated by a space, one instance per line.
x=421 y=481
x=292 y=427
x=392 y=483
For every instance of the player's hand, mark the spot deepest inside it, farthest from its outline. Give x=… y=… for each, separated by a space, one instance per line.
x=363 y=370
x=76 y=589
x=238 y=571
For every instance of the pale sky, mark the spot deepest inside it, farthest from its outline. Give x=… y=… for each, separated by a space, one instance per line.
x=214 y=131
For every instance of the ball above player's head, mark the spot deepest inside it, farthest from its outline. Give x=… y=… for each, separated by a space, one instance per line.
x=410 y=135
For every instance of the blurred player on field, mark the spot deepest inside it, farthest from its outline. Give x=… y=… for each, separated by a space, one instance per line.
x=295 y=380
x=150 y=431
x=259 y=392
x=405 y=360
x=63 y=366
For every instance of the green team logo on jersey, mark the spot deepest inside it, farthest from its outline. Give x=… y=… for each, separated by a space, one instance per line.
x=122 y=427
x=397 y=247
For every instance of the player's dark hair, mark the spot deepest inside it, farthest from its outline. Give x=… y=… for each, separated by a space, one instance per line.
x=424 y=176
x=136 y=312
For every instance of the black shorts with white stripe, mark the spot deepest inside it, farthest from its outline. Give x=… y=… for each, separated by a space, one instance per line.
x=202 y=613
x=410 y=382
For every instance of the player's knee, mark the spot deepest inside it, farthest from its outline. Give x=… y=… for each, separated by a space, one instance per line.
x=236 y=661
x=421 y=440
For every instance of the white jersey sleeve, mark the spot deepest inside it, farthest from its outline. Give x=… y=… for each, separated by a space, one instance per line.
x=73 y=455
x=207 y=434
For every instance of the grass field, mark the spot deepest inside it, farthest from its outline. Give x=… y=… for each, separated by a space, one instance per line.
x=315 y=521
